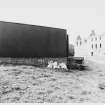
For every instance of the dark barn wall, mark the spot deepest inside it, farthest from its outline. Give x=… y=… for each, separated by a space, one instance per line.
x=22 y=40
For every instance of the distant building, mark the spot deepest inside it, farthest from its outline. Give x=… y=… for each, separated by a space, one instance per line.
x=93 y=45
x=79 y=41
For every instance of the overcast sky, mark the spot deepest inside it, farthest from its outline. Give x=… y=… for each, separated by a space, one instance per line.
x=79 y=17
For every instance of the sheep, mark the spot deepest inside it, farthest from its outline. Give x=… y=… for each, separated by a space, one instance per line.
x=63 y=65
x=50 y=64
x=55 y=65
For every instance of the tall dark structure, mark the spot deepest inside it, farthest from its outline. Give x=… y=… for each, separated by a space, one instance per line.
x=23 y=40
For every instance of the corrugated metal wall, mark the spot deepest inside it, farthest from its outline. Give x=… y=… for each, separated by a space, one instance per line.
x=22 y=40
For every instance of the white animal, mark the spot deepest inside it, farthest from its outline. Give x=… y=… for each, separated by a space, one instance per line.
x=63 y=66
x=55 y=65
x=50 y=64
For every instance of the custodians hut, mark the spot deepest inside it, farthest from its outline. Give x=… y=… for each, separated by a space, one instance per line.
x=23 y=40
x=32 y=41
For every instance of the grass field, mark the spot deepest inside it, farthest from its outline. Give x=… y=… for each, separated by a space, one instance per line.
x=30 y=84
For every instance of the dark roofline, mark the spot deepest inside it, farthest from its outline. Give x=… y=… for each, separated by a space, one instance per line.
x=32 y=25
